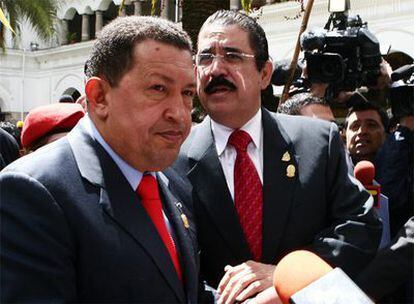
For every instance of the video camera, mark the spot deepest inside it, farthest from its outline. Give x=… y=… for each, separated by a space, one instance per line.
x=402 y=91
x=345 y=54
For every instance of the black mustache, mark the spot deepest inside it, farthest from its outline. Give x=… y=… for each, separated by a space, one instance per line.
x=219 y=81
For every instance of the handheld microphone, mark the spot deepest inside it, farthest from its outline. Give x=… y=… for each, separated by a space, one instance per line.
x=364 y=171
x=302 y=277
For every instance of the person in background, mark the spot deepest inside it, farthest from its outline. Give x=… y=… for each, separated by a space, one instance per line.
x=9 y=149
x=264 y=184
x=46 y=124
x=66 y=99
x=90 y=218
x=306 y=104
x=365 y=129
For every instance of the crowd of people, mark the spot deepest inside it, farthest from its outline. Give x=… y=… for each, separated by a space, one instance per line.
x=123 y=200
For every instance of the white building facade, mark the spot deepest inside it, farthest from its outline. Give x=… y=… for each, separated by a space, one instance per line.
x=39 y=73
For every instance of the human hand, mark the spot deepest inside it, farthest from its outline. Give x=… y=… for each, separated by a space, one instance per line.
x=267 y=296
x=244 y=281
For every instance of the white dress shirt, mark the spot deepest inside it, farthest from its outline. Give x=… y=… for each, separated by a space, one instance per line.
x=227 y=153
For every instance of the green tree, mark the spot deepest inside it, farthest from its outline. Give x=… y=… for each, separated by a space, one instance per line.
x=40 y=14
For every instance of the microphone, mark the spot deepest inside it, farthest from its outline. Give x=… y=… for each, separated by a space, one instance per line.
x=364 y=171
x=302 y=277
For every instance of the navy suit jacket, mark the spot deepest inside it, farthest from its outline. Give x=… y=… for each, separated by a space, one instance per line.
x=73 y=230
x=320 y=208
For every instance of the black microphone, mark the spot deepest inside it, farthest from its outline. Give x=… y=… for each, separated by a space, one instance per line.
x=302 y=277
x=403 y=72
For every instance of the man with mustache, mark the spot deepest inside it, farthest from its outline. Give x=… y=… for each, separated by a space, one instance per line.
x=264 y=184
x=90 y=218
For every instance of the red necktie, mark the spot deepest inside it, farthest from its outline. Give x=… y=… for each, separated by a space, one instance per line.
x=248 y=194
x=150 y=199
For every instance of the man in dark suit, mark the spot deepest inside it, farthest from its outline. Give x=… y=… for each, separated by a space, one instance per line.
x=393 y=266
x=282 y=187
x=73 y=228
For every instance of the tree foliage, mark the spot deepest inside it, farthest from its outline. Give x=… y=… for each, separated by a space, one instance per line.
x=40 y=14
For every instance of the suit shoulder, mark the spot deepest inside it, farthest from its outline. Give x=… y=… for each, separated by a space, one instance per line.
x=50 y=160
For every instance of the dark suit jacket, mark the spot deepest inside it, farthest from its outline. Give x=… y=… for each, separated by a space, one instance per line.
x=392 y=267
x=321 y=208
x=73 y=230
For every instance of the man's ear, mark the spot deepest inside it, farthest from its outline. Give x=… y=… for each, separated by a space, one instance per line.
x=266 y=74
x=96 y=89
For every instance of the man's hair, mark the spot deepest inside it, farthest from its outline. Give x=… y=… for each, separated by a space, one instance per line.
x=365 y=106
x=112 y=52
x=257 y=36
x=294 y=104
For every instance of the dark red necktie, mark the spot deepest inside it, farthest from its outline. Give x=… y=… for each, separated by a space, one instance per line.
x=248 y=194
x=150 y=199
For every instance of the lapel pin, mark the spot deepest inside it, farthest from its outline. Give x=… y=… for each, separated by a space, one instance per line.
x=286 y=157
x=182 y=215
x=185 y=221
x=290 y=171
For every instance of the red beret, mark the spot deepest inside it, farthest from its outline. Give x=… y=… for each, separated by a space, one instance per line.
x=45 y=119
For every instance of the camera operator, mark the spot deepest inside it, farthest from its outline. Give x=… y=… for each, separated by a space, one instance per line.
x=395 y=160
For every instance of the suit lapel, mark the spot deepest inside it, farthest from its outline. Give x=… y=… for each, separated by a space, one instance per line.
x=183 y=241
x=213 y=192
x=278 y=184
x=121 y=203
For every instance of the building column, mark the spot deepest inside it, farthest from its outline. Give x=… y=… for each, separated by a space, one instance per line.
x=98 y=22
x=234 y=4
x=138 y=7
x=64 y=32
x=165 y=9
x=85 y=27
x=123 y=11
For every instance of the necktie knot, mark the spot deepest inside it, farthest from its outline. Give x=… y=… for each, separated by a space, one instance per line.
x=240 y=139
x=148 y=188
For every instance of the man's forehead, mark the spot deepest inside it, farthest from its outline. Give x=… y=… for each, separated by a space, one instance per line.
x=215 y=35
x=367 y=115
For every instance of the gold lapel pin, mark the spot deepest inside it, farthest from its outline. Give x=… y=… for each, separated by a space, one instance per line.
x=185 y=221
x=286 y=157
x=290 y=171
x=182 y=215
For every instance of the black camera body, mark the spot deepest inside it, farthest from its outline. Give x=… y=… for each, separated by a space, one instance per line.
x=402 y=92
x=345 y=55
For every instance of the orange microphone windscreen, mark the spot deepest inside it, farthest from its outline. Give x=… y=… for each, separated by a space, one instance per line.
x=296 y=271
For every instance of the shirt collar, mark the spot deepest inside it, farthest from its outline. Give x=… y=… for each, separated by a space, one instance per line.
x=131 y=174
x=222 y=133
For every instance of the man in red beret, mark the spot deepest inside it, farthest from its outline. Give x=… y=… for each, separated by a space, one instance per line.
x=45 y=124
x=90 y=217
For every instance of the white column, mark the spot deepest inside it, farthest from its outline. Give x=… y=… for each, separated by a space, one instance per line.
x=165 y=9
x=85 y=27
x=64 y=32
x=234 y=4
x=137 y=7
x=123 y=11
x=98 y=22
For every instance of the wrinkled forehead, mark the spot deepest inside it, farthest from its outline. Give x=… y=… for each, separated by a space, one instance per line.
x=216 y=37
